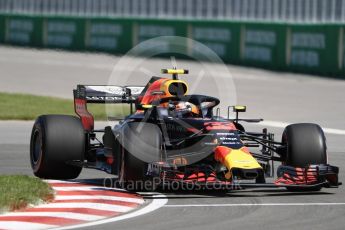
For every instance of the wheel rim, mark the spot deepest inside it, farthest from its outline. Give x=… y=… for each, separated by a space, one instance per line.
x=37 y=148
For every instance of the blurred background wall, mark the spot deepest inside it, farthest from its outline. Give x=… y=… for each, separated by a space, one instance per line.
x=263 y=10
x=288 y=35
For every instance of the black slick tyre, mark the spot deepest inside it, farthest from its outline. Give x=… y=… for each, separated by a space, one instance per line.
x=141 y=144
x=305 y=145
x=57 y=140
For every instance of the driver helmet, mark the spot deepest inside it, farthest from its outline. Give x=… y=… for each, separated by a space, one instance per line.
x=182 y=105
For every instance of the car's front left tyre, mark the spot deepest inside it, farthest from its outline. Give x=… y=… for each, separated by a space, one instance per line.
x=140 y=144
x=56 y=141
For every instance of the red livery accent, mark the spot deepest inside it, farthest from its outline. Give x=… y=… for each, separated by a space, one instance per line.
x=307 y=176
x=221 y=152
x=87 y=119
x=110 y=160
x=193 y=130
x=194 y=177
x=155 y=86
x=219 y=126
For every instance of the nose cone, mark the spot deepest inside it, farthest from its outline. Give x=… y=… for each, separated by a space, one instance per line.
x=236 y=158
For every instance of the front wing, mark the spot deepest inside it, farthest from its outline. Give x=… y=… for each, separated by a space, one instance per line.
x=313 y=176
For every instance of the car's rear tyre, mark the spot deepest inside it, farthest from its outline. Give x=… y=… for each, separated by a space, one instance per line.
x=55 y=141
x=141 y=143
x=305 y=145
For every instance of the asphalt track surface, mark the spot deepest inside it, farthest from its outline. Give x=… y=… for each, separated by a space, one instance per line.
x=278 y=97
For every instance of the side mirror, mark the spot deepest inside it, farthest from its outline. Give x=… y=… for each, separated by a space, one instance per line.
x=239 y=108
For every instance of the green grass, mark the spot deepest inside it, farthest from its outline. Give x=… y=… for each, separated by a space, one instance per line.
x=17 y=191
x=15 y=106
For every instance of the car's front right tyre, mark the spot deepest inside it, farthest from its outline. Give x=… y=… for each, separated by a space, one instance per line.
x=305 y=145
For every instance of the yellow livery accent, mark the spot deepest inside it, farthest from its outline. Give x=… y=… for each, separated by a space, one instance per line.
x=240 y=159
x=146 y=106
x=239 y=108
x=236 y=158
x=175 y=71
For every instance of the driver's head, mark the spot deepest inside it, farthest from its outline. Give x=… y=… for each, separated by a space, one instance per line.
x=183 y=106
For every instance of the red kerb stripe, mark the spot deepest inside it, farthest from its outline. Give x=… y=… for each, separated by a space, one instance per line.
x=75 y=210
x=115 y=202
x=98 y=192
x=41 y=220
x=70 y=185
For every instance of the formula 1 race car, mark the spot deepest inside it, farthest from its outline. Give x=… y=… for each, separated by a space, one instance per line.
x=177 y=138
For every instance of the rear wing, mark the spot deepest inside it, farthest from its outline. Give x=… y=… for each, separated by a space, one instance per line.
x=108 y=93
x=102 y=94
